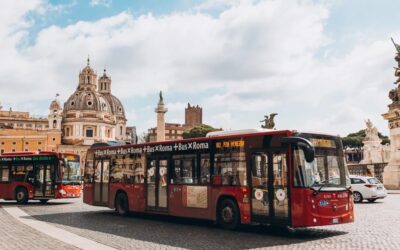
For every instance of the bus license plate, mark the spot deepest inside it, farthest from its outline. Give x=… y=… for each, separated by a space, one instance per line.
x=335 y=220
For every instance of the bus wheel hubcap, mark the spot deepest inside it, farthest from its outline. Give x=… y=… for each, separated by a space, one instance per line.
x=20 y=195
x=227 y=214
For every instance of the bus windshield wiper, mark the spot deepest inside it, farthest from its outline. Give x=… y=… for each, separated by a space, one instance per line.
x=321 y=185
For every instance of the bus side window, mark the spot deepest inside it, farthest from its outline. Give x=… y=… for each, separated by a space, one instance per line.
x=4 y=173
x=184 y=169
x=21 y=172
x=89 y=168
x=204 y=168
x=231 y=166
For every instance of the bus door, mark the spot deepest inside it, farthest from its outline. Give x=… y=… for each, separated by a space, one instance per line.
x=101 y=180
x=157 y=183
x=269 y=173
x=44 y=179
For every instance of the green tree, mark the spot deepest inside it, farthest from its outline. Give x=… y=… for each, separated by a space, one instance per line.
x=199 y=131
x=144 y=138
x=354 y=140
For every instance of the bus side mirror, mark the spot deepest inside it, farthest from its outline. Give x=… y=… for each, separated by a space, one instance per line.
x=304 y=144
x=309 y=153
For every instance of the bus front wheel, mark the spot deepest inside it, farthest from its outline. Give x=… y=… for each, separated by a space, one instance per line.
x=121 y=204
x=21 y=195
x=228 y=214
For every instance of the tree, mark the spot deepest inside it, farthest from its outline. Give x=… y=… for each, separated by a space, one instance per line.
x=143 y=138
x=199 y=131
x=354 y=140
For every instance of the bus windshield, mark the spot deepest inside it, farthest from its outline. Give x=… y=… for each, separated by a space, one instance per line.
x=327 y=170
x=71 y=172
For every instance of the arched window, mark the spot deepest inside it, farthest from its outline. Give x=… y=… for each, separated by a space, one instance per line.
x=120 y=131
x=54 y=123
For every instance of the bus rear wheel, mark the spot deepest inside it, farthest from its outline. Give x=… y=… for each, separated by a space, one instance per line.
x=21 y=195
x=121 y=204
x=228 y=214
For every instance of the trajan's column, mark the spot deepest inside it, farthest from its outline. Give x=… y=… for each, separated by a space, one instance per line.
x=391 y=174
x=161 y=110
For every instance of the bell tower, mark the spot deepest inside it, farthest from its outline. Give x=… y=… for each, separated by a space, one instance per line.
x=104 y=84
x=55 y=114
x=87 y=78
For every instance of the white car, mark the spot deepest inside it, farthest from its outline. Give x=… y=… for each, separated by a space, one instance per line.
x=367 y=188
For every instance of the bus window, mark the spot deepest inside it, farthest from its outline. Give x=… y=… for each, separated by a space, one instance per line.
x=89 y=170
x=260 y=170
x=184 y=169
x=138 y=171
x=116 y=170
x=21 y=172
x=232 y=167
x=128 y=169
x=4 y=173
x=204 y=168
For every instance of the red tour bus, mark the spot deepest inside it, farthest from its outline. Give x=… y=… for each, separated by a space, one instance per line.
x=276 y=177
x=39 y=176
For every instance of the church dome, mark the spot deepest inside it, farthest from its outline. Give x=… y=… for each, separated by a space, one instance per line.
x=92 y=114
x=87 y=100
x=116 y=106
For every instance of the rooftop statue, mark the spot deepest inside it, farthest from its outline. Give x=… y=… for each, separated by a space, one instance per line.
x=269 y=121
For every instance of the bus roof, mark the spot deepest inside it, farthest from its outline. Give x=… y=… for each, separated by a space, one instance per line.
x=233 y=134
x=30 y=153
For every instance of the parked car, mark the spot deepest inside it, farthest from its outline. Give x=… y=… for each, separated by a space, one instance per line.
x=367 y=188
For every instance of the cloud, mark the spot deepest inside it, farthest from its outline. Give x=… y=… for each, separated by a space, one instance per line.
x=106 y=3
x=252 y=59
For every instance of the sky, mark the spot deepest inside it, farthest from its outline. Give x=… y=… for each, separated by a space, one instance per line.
x=322 y=65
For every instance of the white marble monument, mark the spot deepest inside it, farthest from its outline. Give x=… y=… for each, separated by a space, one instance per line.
x=373 y=150
x=391 y=174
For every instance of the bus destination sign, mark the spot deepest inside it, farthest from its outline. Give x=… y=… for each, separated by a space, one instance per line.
x=177 y=147
x=27 y=158
x=323 y=143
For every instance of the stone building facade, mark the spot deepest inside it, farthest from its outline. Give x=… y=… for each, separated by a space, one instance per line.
x=20 y=132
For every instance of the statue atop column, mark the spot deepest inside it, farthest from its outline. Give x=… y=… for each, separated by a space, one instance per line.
x=161 y=110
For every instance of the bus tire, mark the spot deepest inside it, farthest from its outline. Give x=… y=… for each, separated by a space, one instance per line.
x=228 y=216
x=121 y=204
x=21 y=195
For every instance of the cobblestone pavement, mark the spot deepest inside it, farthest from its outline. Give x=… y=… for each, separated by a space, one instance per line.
x=376 y=227
x=16 y=235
